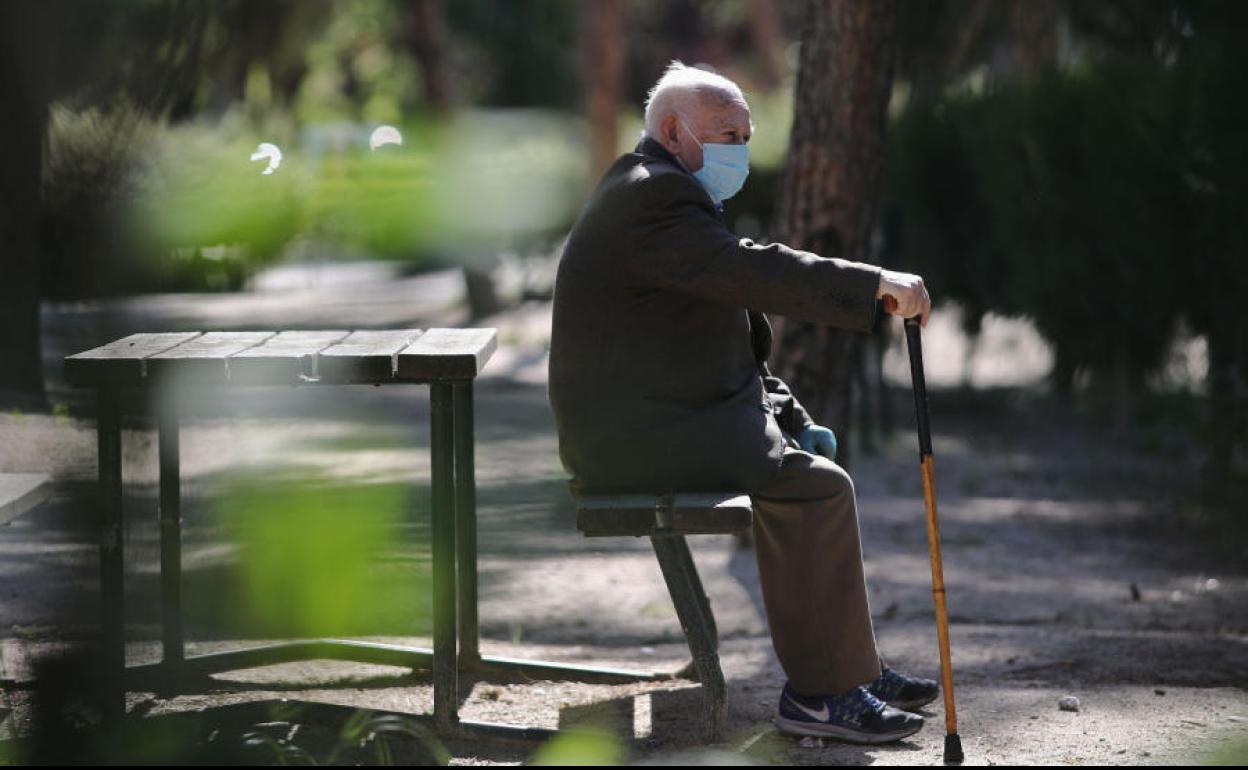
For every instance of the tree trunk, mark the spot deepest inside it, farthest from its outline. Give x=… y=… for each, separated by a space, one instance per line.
x=429 y=45
x=945 y=39
x=602 y=57
x=1226 y=386
x=1033 y=26
x=832 y=182
x=23 y=91
x=1063 y=375
x=767 y=39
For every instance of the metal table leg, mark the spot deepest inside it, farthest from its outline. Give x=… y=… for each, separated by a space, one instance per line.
x=170 y=530
x=470 y=658
x=442 y=448
x=466 y=526
x=112 y=605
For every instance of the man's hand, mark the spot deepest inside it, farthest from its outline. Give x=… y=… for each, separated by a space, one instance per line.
x=904 y=295
x=817 y=439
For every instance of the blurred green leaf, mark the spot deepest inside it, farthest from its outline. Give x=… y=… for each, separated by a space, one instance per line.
x=586 y=747
x=319 y=560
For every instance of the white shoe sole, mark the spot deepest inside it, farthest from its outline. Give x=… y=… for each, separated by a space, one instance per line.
x=792 y=727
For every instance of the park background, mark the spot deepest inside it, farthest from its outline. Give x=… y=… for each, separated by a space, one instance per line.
x=1070 y=178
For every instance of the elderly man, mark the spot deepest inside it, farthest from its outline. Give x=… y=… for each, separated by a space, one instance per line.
x=659 y=383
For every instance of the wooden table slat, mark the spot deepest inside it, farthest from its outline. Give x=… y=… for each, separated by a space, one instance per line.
x=214 y=345
x=288 y=358
x=364 y=356
x=447 y=354
x=123 y=361
x=204 y=359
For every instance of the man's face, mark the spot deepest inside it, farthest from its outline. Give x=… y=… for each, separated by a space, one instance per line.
x=712 y=121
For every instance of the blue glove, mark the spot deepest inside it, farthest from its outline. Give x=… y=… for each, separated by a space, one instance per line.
x=817 y=439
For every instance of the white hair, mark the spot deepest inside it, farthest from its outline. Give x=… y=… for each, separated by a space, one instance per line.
x=683 y=89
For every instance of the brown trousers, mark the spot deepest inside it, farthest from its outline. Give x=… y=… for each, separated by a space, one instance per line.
x=810 y=566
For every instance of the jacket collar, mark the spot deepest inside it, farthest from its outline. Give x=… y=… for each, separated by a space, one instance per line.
x=651 y=147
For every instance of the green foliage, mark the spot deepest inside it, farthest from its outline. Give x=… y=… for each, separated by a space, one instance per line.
x=278 y=732
x=381 y=203
x=772 y=115
x=1106 y=202
x=201 y=191
x=380 y=729
x=201 y=198
x=137 y=206
x=360 y=68
x=509 y=178
x=1068 y=199
x=60 y=413
x=148 y=183
x=91 y=167
x=520 y=53
x=585 y=747
x=317 y=560
x=1211 y=80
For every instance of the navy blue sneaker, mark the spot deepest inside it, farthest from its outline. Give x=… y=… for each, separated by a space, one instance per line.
x=903 y=692
x=856 y=716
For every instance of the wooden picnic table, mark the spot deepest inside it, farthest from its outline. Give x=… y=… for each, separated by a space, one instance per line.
x=447 y=360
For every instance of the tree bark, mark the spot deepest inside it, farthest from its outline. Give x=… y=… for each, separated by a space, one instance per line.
x=832 y=182
x=602 y=57
x=429 y=45
x=767 y=39
x=1033 y=24
x=23 y=91
x=1227 y=386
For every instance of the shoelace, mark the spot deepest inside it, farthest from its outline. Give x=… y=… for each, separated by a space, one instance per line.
x=888 y=684
x=854 y=704
x=870 y=703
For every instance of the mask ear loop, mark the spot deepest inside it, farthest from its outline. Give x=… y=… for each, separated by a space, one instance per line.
x=690 y=130
x=694 y=137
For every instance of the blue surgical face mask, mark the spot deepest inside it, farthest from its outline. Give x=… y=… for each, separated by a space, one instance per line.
x=724 y=167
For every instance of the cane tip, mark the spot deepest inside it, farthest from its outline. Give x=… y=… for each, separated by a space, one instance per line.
x=953 y=749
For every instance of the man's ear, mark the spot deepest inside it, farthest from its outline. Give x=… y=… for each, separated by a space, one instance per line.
x=669 y=132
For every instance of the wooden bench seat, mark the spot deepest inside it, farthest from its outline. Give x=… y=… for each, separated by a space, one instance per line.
x=666 y=519
x=687 y=514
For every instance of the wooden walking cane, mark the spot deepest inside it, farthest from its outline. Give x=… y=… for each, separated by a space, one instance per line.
x=953 y=744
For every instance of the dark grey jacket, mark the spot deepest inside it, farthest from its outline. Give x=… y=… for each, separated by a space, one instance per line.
x=658 y=375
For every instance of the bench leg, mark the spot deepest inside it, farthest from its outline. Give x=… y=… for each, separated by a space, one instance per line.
x=694 y=613
x=699 y=594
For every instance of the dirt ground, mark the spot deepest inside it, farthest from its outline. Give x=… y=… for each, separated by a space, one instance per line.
x=1070 y=560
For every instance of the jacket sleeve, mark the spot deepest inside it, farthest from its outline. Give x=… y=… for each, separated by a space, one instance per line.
x=790 y=415
x=681 y=244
